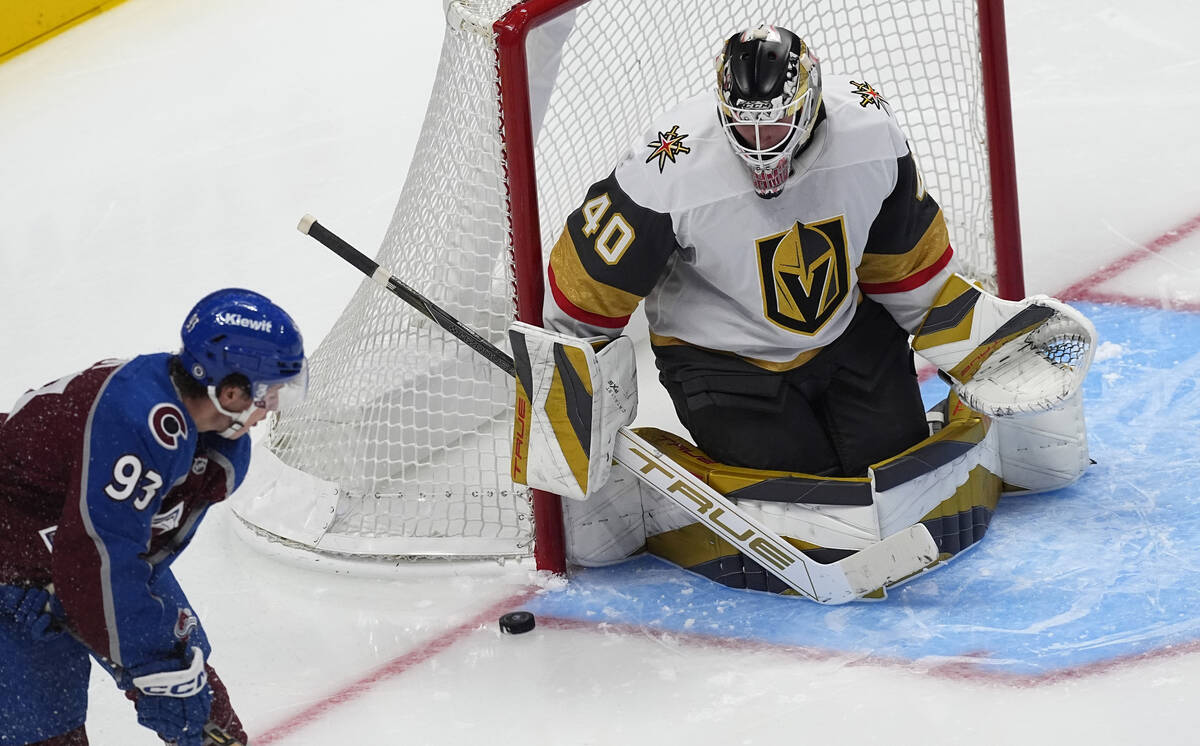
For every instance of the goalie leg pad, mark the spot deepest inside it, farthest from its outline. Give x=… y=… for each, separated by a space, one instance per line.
x=1044 y=451
x=608 y=527
x=949 y=482
x=573 y=396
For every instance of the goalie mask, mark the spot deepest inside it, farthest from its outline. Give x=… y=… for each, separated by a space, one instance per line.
x=768 y=95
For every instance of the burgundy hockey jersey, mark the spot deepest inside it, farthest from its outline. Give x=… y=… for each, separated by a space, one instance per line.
x=103 y=480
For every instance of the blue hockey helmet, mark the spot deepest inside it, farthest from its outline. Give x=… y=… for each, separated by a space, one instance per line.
x=240 y=331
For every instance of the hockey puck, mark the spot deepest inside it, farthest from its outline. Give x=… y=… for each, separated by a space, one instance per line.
x=516 y=622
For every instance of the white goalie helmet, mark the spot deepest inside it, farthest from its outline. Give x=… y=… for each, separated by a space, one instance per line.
x=768 y=95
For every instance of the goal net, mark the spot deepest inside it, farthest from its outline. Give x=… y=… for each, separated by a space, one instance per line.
x=402 y=448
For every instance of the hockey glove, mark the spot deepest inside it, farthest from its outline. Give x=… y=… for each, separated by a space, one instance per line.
x=1006 y=357
x=171 y=702
x=31 y=609
x=573 y=396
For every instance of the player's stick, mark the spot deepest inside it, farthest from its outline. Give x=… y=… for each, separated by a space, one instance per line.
x=215 y=736
x=895 y=557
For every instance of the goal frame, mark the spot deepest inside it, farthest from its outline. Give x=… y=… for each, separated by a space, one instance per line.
x=512 y=30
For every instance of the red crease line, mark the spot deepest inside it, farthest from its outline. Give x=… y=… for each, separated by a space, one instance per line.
x=391 y=669
x=971 y=667
x=1083 y=290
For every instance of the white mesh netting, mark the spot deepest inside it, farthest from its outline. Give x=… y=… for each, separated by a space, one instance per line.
x=410 y=425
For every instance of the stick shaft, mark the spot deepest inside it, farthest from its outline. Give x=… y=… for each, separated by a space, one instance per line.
x=392 y=284
x=896 y=557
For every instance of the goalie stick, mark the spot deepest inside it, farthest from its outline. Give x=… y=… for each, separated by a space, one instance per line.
x=893 y=558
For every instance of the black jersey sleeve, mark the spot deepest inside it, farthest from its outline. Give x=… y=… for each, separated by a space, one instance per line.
x=908 y=250
x=609 y=256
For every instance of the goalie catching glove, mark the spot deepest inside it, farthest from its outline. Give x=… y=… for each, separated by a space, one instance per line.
x=573 y=396
x=1006 y=357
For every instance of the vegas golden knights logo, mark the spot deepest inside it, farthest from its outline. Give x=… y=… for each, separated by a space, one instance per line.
x=805 y=274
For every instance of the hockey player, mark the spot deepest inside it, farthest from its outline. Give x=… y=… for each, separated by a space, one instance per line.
x=786 y=247
x=105 y=476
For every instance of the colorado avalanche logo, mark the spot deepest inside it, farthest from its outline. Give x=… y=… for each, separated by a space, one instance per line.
x=185 y=623
x=168 y=425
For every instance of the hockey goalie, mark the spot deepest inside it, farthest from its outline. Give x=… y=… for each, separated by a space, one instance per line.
x=792 y=262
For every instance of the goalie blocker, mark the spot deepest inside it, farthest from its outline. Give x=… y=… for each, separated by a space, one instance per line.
x=573 y=396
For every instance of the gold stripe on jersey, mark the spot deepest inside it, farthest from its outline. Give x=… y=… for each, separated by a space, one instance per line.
x=581 y=289
x=877 y=269
x=659 y=340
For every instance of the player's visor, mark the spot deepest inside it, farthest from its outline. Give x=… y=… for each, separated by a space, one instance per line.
x=275 y=396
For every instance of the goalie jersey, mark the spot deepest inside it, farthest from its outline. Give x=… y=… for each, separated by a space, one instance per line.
x=678 y=223
x=103 y=481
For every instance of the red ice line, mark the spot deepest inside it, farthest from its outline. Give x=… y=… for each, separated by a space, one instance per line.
x=1084 y=290
x=389 y=670
x=965 y=667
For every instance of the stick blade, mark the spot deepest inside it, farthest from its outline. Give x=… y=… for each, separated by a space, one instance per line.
x=895 y=558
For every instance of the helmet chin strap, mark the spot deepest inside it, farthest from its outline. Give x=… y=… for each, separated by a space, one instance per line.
x=236 y=428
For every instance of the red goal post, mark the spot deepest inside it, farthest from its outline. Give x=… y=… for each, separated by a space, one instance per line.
x=402 y=449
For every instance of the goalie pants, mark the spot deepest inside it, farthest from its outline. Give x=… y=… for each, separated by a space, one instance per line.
x=855 y=403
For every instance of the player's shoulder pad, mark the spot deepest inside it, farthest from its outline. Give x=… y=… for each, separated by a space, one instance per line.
x=140 y=410
x=863 y=124
x=681 y=160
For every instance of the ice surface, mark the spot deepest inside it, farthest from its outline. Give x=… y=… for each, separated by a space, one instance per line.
x=167 y=148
